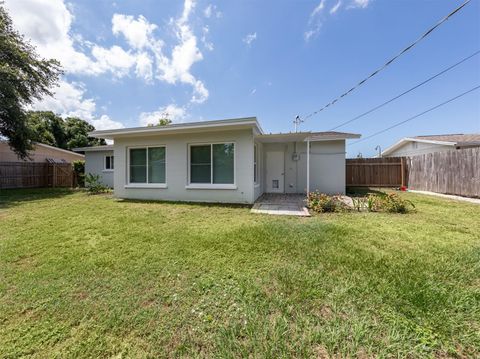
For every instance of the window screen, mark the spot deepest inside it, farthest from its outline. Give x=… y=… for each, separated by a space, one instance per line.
x=148 y=165
x=200 y=164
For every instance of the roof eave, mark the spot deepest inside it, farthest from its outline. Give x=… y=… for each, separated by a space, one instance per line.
x=248 y=122
x=404 y=140
x=334 y=137
x=467 y=144
x=94 y=148
x=395 y=146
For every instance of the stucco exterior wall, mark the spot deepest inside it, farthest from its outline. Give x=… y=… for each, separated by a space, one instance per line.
x=39 y=154
x=418 y=148
x=95 y=164
x=177 y=167
x=327 y=166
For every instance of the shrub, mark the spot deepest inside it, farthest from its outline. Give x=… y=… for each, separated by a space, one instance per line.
x=375 y=202
x=378 y=202
x=320 y=202
x=79 y=172
x=94 y=185
x=395 y=204
x=392 y=203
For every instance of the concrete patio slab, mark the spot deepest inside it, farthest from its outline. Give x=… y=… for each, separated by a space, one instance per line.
x=281 y=204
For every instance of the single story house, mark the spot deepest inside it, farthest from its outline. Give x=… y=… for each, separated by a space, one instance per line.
x=99 y=160
x=419 y=145
x=40 y=153
x=231 y=161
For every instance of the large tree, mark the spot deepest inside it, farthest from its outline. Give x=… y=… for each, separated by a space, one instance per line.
x=49 y=128
x=24 y=77
x=76 y=134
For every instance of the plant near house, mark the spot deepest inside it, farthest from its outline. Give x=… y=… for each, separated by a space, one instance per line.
x=94 y=185
x=359 y=203
x=393 y=203
x=79 y=172
x=374 y=202
x=321 y=202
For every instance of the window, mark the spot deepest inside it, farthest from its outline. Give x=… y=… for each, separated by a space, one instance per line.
x=108 y=163
x=255 y=166
x=212 y=163
x=147 y=165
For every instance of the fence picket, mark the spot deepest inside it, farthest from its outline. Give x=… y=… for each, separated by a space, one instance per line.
x=35 y=174
x=452 y=172
x=375 y=172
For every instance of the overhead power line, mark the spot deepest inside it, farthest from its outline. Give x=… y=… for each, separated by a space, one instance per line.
x=407 y=91
x=428 y=32
x=418 y=115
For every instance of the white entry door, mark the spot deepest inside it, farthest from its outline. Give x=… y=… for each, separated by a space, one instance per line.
x=275 y=171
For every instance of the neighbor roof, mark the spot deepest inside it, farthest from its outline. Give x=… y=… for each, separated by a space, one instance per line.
x=455 y=140
x=200 y=126
x=39 y=144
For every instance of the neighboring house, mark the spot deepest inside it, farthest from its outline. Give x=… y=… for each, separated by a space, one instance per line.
x=99 y=160
x=231 y=161
x=419 y=145
x=40 y=153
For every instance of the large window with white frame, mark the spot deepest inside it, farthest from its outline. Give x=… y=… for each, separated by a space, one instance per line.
x=108 y=164
x=212 y=163
x=147 y=165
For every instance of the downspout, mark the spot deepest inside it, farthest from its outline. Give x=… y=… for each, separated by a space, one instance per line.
x=308 y=165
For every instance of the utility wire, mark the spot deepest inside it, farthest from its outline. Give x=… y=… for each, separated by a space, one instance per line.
x=418 y=115
x=428 y=32
x=407 y=91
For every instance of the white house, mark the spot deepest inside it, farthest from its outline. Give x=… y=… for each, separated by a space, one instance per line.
x=419 y=145
x=99 y=160
x=231 y=161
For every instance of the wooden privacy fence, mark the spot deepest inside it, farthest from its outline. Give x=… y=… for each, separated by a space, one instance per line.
x=376 y=172
x=35 y=174
x=452 y=172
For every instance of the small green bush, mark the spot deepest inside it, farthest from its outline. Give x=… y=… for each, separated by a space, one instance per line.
x=378 y=202
x=393 y=203
x=94 y=185
x=79 y=172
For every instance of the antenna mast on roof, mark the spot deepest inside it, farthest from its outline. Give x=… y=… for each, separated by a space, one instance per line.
x=297 y=122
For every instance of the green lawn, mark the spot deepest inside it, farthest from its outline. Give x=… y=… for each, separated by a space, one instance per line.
x=91 y=276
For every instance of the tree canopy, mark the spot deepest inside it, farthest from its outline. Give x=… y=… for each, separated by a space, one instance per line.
x=24 y=77
x=163 y=121
x=49 y=128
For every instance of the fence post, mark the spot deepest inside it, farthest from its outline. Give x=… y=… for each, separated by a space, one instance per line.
x=54 y=175
x=402 y=169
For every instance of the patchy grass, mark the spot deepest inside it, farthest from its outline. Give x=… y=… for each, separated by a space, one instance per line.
x=90 y=276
